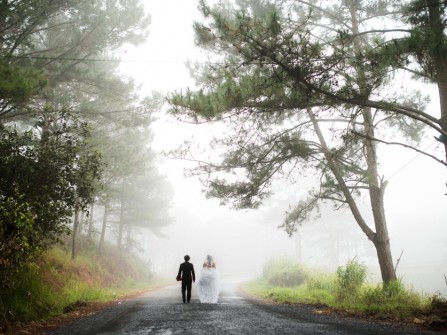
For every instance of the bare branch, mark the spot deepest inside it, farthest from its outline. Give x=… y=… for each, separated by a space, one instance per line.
x=402 y=145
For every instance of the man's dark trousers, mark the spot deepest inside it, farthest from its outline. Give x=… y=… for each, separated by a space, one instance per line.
x=186 y=286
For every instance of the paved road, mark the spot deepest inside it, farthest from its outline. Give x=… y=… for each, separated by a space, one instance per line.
x=162 y=312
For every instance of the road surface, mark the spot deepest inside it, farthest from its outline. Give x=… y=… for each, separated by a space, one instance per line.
x=163 y=312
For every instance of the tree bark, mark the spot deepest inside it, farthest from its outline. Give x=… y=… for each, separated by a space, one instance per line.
x=128 y=238
x=442 y=89
x=121 y=226
x=437 y=55
x=343 y=187
x=103 y=229
x=379 y=238
x=376 y=193
x=376 y=188
x=74 y=247
x=90 y=222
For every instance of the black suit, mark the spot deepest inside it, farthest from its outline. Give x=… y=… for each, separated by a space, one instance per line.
x=186 y=270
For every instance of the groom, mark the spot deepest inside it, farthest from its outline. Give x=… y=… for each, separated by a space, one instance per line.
x=186 y=272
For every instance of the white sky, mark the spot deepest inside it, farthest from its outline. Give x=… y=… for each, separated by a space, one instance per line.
x=415 y=202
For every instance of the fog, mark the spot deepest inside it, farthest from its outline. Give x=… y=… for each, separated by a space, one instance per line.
x=241 y=241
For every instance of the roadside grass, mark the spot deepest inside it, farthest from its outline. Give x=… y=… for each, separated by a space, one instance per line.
x=345 y=290
x=287 y=295
x=55 y=284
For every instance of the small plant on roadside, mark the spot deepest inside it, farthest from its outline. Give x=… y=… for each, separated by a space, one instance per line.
x=437 y=304
x=394 y=288
x=350 y=279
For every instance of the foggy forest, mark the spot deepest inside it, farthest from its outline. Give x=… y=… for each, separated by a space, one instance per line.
x=311 y=134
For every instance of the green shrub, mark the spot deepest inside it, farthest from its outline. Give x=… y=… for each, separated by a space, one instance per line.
x=346 y=289
x=392 y=298
x=17 y=240
x=284 y=273
x=28 y=298
x=321 y=281
x=350 y=279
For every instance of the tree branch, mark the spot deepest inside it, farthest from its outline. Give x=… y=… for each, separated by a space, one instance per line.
x=402 y=145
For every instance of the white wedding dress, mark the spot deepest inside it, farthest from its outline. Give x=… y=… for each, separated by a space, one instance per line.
x=209 y=285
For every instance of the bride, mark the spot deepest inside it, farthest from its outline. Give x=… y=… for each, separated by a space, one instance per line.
x=208 y=285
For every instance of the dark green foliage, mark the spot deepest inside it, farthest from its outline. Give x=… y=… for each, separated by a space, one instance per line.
x=45 y=173
x=49 y=53
x=17 y=84
x=427 y=41
x=54 y=64
x=18 y=239
x=422 y=52
x=438 y=304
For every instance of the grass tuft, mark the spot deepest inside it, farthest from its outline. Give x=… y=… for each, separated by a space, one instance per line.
x=350 y=279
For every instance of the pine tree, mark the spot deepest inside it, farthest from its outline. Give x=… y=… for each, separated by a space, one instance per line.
x=301 y=89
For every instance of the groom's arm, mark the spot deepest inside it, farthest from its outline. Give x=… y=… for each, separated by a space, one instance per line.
x=193 y=273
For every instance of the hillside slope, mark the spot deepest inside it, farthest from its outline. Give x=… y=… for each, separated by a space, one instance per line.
x=56 y=285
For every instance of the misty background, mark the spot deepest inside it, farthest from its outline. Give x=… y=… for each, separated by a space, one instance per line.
x=242 y=241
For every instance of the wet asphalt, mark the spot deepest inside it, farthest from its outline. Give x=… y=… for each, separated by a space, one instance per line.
x=163 y=312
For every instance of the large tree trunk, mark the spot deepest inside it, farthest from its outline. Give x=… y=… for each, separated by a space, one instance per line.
x=437 y=55
x=376 y=188
x=442 y=89
x=376 y=192
x=81 y=220
x=90 y=222
x=121 y=225
x=380 y=237
x=129 y=238
x=103 y=229
x=336 y=172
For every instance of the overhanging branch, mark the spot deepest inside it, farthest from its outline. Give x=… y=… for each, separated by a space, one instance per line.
x=402 y=145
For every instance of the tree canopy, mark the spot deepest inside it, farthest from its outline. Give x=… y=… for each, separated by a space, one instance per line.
x=62 y=103
x=303 y=89
x=46 y=171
